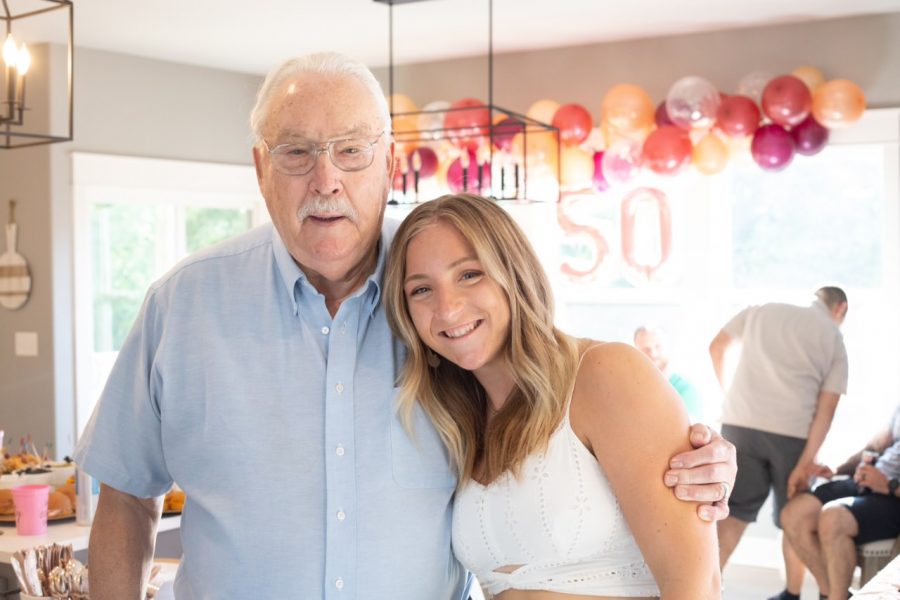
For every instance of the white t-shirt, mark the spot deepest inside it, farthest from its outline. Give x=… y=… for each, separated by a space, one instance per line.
x=790 y=354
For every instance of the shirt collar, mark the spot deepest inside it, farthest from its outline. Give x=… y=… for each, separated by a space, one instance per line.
x=292 y=275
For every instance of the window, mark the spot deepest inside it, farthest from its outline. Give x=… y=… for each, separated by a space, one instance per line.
x=134 y=219
x=748 y=237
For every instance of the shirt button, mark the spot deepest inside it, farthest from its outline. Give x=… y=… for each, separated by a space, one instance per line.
x=339 y=450
x=340 y=388
x=341 y=515
x=339 y=584
x=325 y=331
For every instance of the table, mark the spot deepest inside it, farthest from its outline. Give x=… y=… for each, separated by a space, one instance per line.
x=884 y=586
x=61 y=532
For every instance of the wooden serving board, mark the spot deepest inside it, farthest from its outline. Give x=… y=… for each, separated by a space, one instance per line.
x=15 y=277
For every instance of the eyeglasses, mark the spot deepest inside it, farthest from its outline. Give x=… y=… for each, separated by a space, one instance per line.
x=353 y=154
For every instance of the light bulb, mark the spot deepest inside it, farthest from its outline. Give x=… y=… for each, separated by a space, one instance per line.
x=24 y=60
x=10 y=52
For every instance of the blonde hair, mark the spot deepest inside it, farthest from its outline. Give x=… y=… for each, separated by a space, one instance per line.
x=541 y=358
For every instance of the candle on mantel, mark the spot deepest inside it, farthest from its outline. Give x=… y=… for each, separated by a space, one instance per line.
x=404 y=168
x=417 y=166
x=464 y=163
x=11 y=58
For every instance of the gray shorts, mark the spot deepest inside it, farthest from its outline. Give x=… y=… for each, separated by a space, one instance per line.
x=764 y=462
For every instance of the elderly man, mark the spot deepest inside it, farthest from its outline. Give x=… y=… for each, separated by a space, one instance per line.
x=826 y=525
x=260 y=377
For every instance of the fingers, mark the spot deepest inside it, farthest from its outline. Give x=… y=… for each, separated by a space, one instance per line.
x=701 y=435
x=710 y=492
x=718 y=450
x=714 y=473
x=717 y=511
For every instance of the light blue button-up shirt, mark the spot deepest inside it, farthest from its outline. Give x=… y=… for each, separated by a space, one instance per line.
x=279 y=423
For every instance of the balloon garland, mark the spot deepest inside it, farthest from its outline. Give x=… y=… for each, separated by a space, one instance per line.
x=696 y=125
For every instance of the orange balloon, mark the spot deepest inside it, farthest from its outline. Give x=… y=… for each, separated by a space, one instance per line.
x=627 y=108
x=838 y=103
x=710 y=154
x=576 y=167
x=540 y=148
x=401 y=103
x=543 y=111
x=811 y=76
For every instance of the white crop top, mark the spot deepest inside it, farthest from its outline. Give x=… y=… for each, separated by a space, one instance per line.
x=559 y=520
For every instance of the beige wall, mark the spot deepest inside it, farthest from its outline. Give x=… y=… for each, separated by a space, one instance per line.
x=134 y=106
x=865 y=50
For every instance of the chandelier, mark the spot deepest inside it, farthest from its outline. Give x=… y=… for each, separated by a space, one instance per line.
x=28 y=118
x=489 y=150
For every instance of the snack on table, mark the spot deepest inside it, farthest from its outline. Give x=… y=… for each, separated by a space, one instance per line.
x=59 y=505
x=69 y=490
x=174 y=501
x=6 y=503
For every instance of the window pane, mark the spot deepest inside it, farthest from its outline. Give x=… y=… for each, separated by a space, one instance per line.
x=819 y=220
x=206 y=226
x=123 y=265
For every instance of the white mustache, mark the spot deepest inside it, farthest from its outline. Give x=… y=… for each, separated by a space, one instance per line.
x=327 y=206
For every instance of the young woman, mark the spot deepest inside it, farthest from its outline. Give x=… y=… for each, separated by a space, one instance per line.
x=560 y=443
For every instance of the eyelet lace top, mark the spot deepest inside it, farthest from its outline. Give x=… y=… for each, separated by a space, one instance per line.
x=557 y=527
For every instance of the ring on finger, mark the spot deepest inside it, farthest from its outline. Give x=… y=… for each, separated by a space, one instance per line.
x=725 y=491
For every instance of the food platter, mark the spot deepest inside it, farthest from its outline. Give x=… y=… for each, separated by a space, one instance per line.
x=11 y=519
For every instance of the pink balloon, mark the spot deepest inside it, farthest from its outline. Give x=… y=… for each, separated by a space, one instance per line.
x=574 y=123
x=465 y=121
x=467 y=180
x=427 y=157
x=809 y=136
x=786 y=100
x=621 y=161
x=600 y=182
x=662 y=116
x=737 y=116
x=505 y=131
x=772 y=147
x=667 y=150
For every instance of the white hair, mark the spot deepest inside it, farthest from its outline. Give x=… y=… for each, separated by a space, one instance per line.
x=327 y=63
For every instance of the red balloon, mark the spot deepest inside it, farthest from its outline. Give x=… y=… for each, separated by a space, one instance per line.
x=809 y=136
x=574 y=123
x=472 y=178
x=465 y=121
x=661 y=116
x=737 y=116
x=786 y=100
x=667 y=150
x=600 y=182
x=772 y=147
x=505 y=131
x=428 y=159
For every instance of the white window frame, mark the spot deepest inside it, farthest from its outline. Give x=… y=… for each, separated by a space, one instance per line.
x=109 y=179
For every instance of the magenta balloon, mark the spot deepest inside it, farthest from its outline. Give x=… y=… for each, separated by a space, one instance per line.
x=662 y=115
x=786 y=100
x=429 y=159
x=600 y=182
x=737 y=116
x=505 y=131
x=810 y=136
x=469 y=183
x=772 y=147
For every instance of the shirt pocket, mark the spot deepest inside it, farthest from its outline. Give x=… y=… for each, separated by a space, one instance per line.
x=419 y=458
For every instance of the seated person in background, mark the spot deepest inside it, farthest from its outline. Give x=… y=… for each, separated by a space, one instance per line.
x=561 y=443
x=651 y=341
x=825 y=526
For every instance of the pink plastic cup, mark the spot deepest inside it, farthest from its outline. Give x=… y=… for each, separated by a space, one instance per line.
x=31 y=508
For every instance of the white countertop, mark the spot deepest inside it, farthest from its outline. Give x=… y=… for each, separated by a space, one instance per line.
x=61 y=532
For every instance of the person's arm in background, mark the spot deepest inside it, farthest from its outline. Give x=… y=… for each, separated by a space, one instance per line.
x=879 y=443
x=806 y=465
x=123 y=538
x=717 y=349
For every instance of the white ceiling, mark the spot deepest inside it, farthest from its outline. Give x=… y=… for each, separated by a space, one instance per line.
x=253 y=36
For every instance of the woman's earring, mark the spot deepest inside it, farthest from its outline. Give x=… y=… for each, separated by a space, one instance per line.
x=433 y=359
